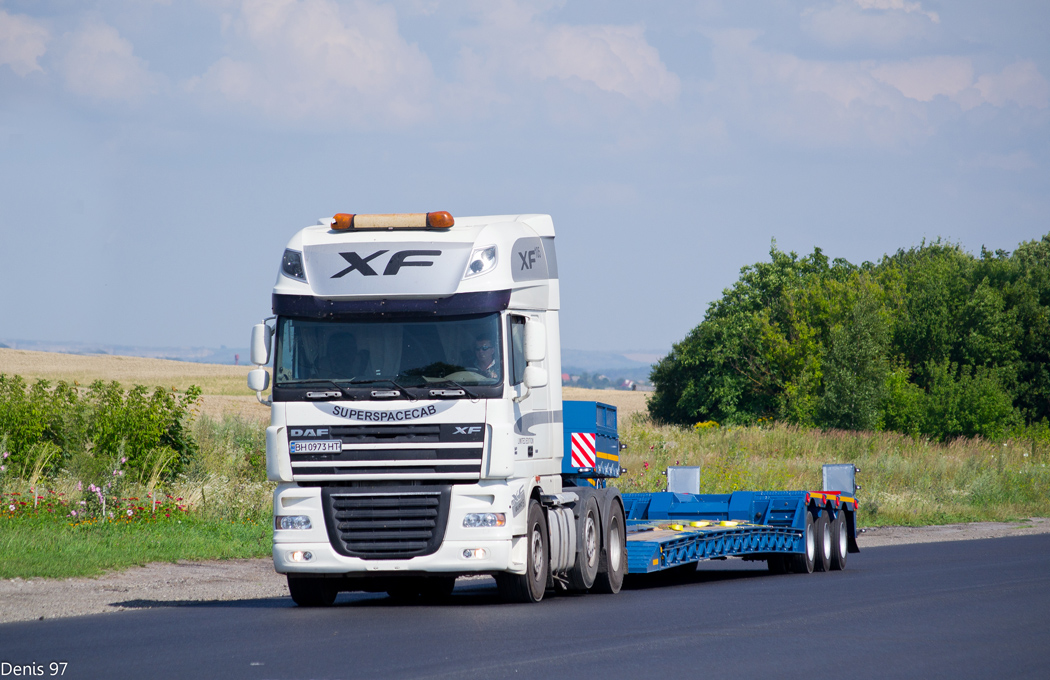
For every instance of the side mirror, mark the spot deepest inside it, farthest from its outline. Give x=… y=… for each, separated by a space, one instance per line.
x=258 y=380
x=535 y=342
x=259 y=353
x=535 y=377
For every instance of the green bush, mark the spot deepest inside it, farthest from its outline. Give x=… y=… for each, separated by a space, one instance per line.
x=92 y=429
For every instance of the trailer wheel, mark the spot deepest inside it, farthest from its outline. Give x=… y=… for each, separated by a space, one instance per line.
x=822 y=529
x=610 y=579
x=839 y=541
x=312 y=591
x=589 y=529
x=803 y=563
x=530 y=586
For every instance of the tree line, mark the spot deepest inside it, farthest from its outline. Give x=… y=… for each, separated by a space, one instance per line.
x=931 y=340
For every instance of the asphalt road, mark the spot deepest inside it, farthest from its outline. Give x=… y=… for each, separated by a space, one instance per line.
x=968 y=609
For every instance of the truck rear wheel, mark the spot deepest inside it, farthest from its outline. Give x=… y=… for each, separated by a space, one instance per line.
x=530 y=586
x=610 y=579
x=585 y=571
x=311 y=591
x=822 y=529
x=803 y=563
x=839 y=542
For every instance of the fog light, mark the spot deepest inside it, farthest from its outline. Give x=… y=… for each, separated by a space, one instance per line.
x=475 y=554
x=485 y=519
x=301 y=556
x=301 y=522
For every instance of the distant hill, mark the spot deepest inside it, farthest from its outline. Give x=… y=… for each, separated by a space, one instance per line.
x=201 y=355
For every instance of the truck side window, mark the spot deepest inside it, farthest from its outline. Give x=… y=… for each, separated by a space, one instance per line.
x=517 y=350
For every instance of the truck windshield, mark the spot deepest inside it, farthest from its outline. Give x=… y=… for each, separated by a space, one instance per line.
x=412 y=352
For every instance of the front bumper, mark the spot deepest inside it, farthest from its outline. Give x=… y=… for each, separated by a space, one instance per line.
x=503 y=551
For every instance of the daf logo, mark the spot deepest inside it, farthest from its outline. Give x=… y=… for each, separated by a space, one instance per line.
x=528 y=258
x=393 y=265
x=310 y=432
x=468 y=430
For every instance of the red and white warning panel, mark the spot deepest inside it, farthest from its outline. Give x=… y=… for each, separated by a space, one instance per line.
x=583 y=450
x=592 y=445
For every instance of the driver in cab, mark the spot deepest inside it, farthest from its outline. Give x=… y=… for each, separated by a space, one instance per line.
x=486 y=358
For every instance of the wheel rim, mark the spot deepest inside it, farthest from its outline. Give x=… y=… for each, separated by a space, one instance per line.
x=811 y=545
x=615 y=545
x=590 y=538
x=537 y=553
x=826 y=542
x=843 y=539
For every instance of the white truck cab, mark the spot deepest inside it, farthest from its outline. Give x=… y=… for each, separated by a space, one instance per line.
x=416 y=427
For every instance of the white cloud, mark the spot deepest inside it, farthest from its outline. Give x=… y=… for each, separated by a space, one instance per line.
x=22 y=41
x=514 y=39
x=883 y=24
x=1019 y=83
x=100 y=64
x=613 y=58
x=923 y=79
x=297 y=58
x=898 y=5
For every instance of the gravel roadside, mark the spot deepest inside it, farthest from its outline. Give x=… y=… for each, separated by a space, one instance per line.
x=163 y=584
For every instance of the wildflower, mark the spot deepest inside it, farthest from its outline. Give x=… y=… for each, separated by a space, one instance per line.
x=130 y=513
x=80 y=486
x=124 y=459
x=83 y=502
x=11 y=508
x=6 y=454
x=2 y=468
x=73 y=513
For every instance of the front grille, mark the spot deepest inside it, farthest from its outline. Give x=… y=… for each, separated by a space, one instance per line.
x=440 y=452
x=395 y=523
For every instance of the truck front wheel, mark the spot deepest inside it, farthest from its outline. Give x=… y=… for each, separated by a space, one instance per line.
x=530 y=586
x=312 y=591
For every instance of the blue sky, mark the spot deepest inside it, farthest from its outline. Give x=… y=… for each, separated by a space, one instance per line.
x=155 y=156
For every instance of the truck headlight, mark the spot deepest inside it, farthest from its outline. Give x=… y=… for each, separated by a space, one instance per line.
x=485 y=519
x=300 y=522
x=292 y=265
x=481 y=261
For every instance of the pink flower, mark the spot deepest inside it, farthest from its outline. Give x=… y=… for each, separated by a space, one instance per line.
x=123 y=459
x=80 y=486
x=2 y=468
x=130 y=513
x=6 y=454
x=73 y=513
x=11 y=508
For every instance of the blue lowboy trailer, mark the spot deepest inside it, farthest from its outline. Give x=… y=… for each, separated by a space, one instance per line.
x=793 y=531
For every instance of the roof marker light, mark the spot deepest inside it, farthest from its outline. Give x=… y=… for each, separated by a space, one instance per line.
x=432 y=220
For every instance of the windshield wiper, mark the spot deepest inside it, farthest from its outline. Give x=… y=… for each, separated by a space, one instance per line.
x=446 y=381
x=372 y=381
x=325 y=381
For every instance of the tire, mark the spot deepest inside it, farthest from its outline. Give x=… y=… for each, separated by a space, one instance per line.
x=588 y=556
x=839 y=542
x=614 y=561
x=803 y=563
x=777 y=564
x=530 y=586
x=312 y=591
x=822 y=530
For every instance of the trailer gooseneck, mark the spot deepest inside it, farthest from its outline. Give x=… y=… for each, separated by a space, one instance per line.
x=418 y=431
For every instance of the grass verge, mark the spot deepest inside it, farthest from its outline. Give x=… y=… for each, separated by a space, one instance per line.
x=63 y=550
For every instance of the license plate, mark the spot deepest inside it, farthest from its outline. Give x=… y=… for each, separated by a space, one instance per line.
x=327 y=446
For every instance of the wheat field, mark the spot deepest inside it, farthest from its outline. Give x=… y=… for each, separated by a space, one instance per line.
x=225 y=387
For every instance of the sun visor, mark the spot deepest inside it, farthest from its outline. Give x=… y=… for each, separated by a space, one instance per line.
x=386 y=269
